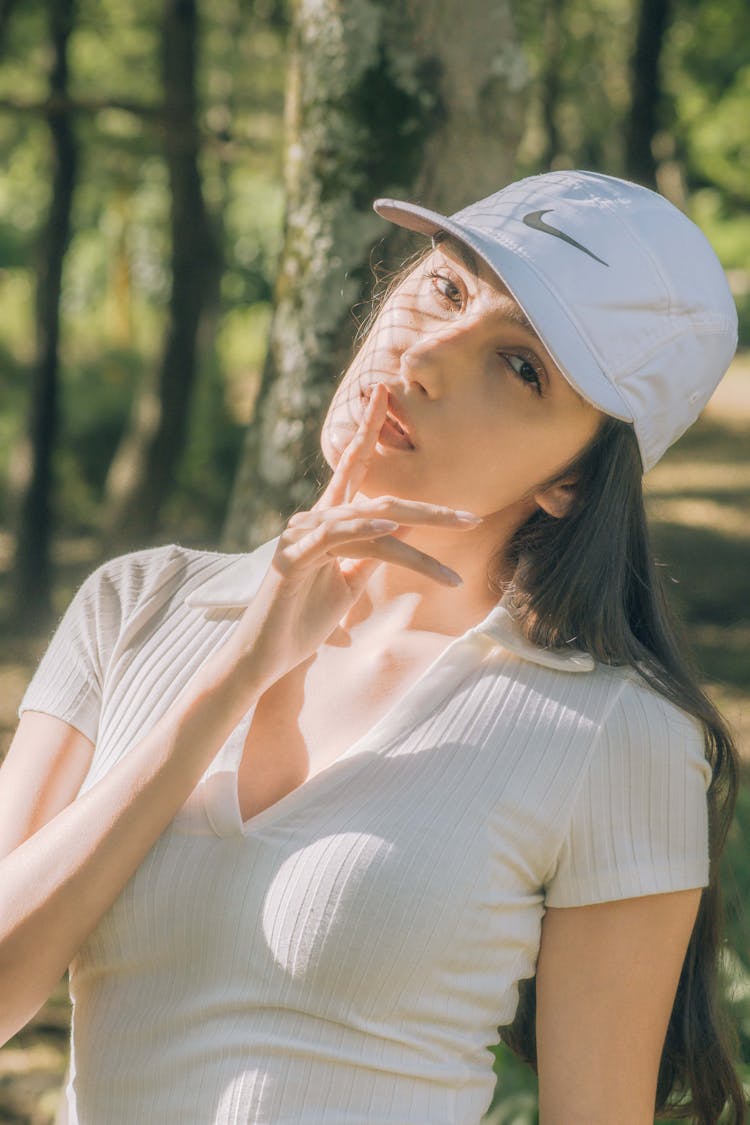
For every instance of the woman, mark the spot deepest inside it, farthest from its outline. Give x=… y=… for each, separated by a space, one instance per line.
x=334 y=808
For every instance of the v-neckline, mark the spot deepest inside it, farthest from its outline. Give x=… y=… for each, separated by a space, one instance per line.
x=449 y=667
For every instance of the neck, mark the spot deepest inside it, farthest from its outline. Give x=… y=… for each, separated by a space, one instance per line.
x=397 y=598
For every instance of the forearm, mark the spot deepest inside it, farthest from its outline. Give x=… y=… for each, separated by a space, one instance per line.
x=56 y=886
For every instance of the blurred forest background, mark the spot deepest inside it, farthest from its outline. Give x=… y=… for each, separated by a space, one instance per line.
x=187 y=248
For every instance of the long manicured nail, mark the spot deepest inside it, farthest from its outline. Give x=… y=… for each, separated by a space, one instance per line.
x=468 y=517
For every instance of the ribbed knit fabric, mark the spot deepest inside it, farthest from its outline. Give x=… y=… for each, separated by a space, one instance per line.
x=346 y=956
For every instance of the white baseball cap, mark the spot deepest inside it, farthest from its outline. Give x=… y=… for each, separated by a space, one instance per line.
x=625 y=291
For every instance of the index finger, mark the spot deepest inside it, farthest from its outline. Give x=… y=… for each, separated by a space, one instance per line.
x=356 y=458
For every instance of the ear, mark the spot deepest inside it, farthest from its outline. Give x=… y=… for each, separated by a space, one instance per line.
x=556 y=500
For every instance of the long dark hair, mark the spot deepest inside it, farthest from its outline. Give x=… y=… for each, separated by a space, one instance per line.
x=604 y=593
x=573 y=584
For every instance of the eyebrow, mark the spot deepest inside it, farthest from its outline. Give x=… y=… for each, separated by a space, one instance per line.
x=467 y=256
x=516 y=314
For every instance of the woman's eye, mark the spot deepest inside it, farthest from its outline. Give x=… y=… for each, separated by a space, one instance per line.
x=526 y=371
x=440 y=277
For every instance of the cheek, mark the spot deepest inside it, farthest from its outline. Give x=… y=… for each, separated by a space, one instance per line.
x=552 y=441
x=517 y=443
x=401 y=323
x=338 y=429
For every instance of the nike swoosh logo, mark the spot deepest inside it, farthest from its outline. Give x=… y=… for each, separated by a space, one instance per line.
x=535 y=221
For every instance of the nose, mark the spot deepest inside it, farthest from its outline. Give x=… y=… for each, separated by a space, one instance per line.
x=447 y=347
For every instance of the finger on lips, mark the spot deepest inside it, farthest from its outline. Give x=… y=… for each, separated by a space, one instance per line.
x=377 y=399
x=344 y=485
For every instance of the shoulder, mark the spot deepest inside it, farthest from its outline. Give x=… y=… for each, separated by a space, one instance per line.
x=123 y=579
x=648 y=763
x=622 y=702
x=148 y=566
x=119 y=588
x=139 y=564
x=642 y=718
x=639 y=739
x=637 y=822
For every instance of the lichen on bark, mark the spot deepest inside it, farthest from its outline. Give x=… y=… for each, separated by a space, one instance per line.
x=398 y=100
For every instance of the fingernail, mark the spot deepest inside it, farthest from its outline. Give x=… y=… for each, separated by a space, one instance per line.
x=453 y=578
x=384 y=525
x=468 y=517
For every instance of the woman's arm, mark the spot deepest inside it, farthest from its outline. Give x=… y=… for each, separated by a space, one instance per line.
x=606 y=980
x=57 y=884
x=42 y=772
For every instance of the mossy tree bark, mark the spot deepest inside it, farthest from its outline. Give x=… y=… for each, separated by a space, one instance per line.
x=418 y=101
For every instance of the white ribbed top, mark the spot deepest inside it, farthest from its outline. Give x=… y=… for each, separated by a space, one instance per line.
x=346 y=956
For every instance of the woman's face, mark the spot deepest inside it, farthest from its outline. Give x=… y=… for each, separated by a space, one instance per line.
x=488 y=411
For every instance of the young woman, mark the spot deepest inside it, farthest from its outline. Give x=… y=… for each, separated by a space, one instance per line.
x=310 y=824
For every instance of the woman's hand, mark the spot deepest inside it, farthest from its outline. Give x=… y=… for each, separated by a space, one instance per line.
x=307 y=590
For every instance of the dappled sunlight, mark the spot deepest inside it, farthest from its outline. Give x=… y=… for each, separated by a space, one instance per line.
x=730 y=403
x=726 y=519
x=698 y=476
x=698 y=501
x=37 y=1056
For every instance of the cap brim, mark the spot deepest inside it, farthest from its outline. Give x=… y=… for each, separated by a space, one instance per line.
x=548 y=317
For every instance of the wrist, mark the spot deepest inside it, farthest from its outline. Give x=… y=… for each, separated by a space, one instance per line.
x=250 y=669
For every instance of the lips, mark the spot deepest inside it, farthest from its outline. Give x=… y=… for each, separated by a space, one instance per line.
x=395 y=415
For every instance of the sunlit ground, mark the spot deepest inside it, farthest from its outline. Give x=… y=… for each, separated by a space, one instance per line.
x=699 y=503
x=698 y=499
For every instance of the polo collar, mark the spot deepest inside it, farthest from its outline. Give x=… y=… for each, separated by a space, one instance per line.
x=238 y=582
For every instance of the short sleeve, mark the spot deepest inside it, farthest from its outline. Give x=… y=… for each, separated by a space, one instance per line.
x=68 y=679
x=639 y=822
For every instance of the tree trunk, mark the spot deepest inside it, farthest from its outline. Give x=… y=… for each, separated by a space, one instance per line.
x=141 y=473
x=642 y=120
x=549 y=79
x=402 y=100
x=31 y=598
x=6 y=11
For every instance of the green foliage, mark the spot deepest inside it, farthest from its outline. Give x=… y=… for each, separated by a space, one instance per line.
x=115 y=49
x=702 y=150
x=116 y=281
x=707 y=78
x=592 y=79
x=515 y=1101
